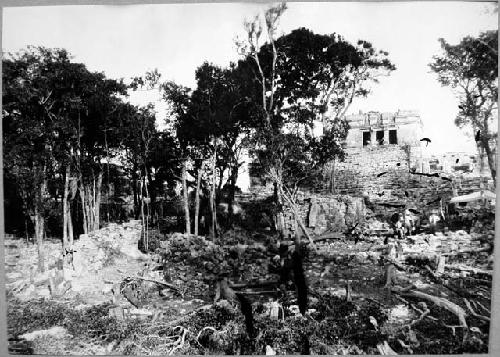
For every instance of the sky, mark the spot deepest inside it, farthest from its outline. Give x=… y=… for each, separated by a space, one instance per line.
x=126 y=41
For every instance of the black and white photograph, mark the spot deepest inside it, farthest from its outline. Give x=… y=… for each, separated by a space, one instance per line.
x=249 y=178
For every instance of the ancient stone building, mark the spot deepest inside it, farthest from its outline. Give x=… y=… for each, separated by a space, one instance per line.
x=378 y=143
x=374 y=128
x=384 y=167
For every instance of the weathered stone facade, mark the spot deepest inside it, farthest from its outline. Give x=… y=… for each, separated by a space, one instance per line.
x=326 y=213
x=385 y=169
x=320 y=212
x=374 y=128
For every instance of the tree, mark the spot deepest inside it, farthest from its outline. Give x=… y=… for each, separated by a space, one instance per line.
x=470 y=68
x=295 y=81
x=212 y=125
x=179 y=99
x=33 y=125
x=56 y=113
x=138 y=133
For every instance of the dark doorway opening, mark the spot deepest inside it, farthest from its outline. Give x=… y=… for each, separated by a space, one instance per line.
x=393 y=137
x=366 y=138
x=380 y=137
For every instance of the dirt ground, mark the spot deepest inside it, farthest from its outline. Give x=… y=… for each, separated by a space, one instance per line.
x=126 y=307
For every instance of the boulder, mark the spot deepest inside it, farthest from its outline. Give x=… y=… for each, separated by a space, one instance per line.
x=55 y=332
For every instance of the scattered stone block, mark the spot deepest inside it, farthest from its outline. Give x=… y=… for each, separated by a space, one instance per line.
x=117 y=312
x=55 y=332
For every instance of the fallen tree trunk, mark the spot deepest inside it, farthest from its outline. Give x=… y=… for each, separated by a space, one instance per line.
x=441 y=302
x=472 y=250
x=261 y=284
x=470 y=269
x=437 y=278
x=170 y=286
x=187 y=316
x=322 y=239
x=385 y=349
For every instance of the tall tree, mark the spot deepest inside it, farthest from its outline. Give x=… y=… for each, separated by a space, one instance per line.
x=179 y=99
x=297 y=80
x=55 y=115
x=212 y=125
x=470 y=68
x=33 y=126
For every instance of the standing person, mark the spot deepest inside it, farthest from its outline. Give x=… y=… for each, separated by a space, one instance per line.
x=433 y=219
x=400 y=227
x=408 y=222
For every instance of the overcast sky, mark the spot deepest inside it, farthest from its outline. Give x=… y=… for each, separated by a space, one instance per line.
x=126 y=41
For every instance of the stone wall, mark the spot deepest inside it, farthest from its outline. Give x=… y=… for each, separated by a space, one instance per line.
x=357 y=176
x=358 y=173
x=323 y=213
x=379 y=177
x=100 y=259
x=320 y=212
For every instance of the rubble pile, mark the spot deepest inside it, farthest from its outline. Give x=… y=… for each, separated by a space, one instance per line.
x=458 y=246
x=22 y=275
x=187 y=257
x=335 y=262
x=100 y=259
x=94 y=250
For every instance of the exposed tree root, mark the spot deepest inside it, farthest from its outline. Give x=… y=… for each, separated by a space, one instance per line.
x=481 y=317
x=385 y=349
x=180 y=342
x=439 y=280
x=445 y=304
x=167 y=285
x=423 y=314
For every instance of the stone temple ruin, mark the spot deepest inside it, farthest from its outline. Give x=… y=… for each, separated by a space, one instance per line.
x=373 y=128
x=385 y=169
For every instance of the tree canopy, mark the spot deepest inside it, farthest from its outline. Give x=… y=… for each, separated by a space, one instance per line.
x=66 y=124
x=470 y=68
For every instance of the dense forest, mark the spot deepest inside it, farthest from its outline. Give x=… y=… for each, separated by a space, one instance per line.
x=75 y=148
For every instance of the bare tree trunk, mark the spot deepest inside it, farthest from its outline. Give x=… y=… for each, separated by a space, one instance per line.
x=232 y=189
x=279 y=219
x=289 y=199
x=152 y=212
x=491 y=160
x=143 y=228
x=88 y=207
x=70 y=229
x=213 y=208
x=332 y=177
x=135 y=193
x=197 y=200
x=147 y=209
x=65 y=211
x=91 y=205
x=81 y=189
x=185 y=195
x=40 y=225
x=97 y=202
x=91 y=198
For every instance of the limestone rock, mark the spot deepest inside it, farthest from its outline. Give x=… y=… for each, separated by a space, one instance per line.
x=55 y=332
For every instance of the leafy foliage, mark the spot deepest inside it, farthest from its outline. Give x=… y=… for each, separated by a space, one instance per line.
x=297 y=80
x=470 y=68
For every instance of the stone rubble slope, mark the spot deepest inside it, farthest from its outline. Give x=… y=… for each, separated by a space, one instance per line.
x=101 y=260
